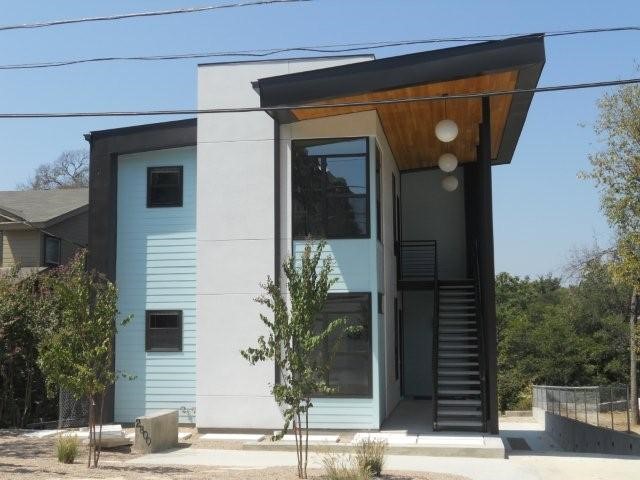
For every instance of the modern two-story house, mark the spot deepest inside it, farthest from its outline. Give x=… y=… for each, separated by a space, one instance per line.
x=389 y=160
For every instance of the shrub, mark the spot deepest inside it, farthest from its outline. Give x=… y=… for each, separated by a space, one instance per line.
x=67 y=449
x=370 y=456
x=343 y=467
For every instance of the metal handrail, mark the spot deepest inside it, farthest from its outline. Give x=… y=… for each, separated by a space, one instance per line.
x=435 y=340
x=480 y=327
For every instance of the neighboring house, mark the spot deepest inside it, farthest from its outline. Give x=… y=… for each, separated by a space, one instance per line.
x=189 y=217
x=42 y=228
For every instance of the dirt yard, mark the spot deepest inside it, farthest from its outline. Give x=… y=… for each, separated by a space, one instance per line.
x=30 y=458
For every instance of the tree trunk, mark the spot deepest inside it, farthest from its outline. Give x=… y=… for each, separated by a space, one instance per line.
x=633 y=357
x=306 y=440
x=98 y=446
x=91 y=419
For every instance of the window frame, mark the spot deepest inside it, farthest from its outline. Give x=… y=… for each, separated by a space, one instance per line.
x=150 y=171
x=369 y=393
x=367 y=195
x=379 y=213
x=147 y=328
x=45 y=238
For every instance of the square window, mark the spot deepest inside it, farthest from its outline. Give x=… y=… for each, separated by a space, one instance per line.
x=330 y=188
x=163 y=332
x=164 y=187
x=51 y=251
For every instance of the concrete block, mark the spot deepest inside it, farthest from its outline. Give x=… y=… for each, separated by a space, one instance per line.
x=156 y=432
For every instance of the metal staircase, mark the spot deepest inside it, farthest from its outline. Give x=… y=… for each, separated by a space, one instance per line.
x=459 y=381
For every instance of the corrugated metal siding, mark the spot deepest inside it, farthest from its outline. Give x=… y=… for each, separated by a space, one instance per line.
x=155 y=270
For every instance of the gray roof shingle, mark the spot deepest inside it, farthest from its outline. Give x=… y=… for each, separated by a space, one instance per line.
x=42 y=206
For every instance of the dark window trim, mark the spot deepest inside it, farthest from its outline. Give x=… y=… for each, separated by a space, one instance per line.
x=396 y=339
x=381 y=303
x=147 y=327
x=369 y=394
x=367 y=196
x=150 y=171
x=379 y=212
x=44 y=262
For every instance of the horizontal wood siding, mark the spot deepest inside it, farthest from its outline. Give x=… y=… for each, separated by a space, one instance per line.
x=21 y=247
x=155 y=270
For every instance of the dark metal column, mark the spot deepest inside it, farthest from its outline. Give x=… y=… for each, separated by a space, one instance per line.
x=487 y=267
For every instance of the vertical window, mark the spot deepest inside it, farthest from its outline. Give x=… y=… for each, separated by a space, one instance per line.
x=163 y=331
x=380 y=302
x=378 y=193
x=330 y=188
x=396 y=212
x=164 y=187
x=396 y=339
x=350 y=374
x=51 y=251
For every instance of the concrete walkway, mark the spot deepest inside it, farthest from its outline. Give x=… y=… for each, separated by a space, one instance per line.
x=543 y=462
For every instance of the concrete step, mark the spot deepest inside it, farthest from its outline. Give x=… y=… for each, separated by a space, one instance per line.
x=459 y=424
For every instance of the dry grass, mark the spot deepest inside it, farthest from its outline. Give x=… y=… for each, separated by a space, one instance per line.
x=30 y=458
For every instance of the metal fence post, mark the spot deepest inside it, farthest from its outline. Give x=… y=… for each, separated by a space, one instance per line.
x=586 y=416
x=628 y=406
x=598 y=406
x=611 y=405
x=575 y=405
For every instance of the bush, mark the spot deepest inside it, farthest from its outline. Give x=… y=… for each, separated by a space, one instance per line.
x=67 y=449
x=343 y=467
x=370 y=456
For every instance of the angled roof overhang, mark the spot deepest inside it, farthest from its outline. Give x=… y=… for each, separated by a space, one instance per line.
x=511 y=64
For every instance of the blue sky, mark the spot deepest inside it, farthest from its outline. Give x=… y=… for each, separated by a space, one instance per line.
x=541 y=210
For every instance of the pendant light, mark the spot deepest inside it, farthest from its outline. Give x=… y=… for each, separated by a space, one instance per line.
x=447 y=162
x=447 y=129
x=449 y=183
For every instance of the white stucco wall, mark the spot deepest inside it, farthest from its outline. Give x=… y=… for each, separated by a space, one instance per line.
x=235 y=241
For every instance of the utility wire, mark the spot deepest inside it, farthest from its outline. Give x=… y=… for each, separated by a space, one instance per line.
x=366 y=103
x=123 y=16
x=327 y=48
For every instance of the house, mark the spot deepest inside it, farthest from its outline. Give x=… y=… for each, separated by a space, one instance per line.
x=42 y=228
x=190 y=216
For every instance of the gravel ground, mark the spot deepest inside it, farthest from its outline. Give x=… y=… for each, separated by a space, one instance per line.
x=30 y=458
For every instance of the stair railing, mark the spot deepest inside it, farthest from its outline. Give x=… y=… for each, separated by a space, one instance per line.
x=481 y=342
x=435 y=339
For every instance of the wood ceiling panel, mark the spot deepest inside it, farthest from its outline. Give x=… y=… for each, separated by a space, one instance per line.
x=410 y=127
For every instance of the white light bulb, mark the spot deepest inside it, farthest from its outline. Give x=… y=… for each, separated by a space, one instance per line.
x=447 y=162
x=446 y=130
x=449 y=183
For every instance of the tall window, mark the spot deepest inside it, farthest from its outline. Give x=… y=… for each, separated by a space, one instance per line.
x=378 y=193
x=163 y=331
x=350 y=374
x=164 y=186
x=330 y=183
x=51 y=251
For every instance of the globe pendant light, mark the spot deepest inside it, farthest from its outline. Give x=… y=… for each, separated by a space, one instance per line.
x=449 y=183
x=447 y=129
x=447 y=162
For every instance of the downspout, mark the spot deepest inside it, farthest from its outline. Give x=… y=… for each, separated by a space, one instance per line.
x=277 y=253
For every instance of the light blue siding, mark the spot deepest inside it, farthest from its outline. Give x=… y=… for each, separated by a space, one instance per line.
x=155 y=270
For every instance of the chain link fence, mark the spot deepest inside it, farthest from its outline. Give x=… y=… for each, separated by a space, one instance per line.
x=73 y=412
x=604 y=406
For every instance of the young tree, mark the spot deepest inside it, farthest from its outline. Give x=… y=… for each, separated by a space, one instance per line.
x=77 y=354
x=616 y=172
x=295 y=341
x=69 y=170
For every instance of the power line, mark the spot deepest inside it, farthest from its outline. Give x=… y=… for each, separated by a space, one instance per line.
x=367 y=103
x=327 y=48
x=123 y=16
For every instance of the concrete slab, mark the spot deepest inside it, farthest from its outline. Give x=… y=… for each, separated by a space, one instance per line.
x=453 y=440
x=313 y=439
x=42 y=433
x=390 y=438
x=247 y=437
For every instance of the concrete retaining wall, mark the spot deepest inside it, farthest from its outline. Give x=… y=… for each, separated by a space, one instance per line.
x=157 y=432
x=576 y=436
